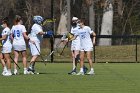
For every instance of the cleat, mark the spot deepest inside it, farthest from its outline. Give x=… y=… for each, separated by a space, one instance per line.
x=15 y=72
x=31 y=71
x=7 y=74
x=85 y=69
x=90 y=73
x=80 y=73
x=25 y=72
x=4 y=72
x=73 y=72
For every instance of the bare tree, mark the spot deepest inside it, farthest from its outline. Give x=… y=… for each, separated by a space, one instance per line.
x=107 y=23
x=91 y=13
x=62 y=27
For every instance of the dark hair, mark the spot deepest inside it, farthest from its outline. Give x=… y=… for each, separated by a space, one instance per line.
x=17 y=19
x=83 y=21
x=5 y=21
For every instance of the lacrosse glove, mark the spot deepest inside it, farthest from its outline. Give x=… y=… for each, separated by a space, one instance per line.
x=49 y=33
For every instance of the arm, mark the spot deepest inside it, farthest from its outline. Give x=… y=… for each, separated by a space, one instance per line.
x=41 y=33
x=11 y=36
x=25 y=36
x=49 y=33
x=94 y=38
x=3 y=37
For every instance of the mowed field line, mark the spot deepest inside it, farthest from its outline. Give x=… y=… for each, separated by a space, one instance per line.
x=53 y=78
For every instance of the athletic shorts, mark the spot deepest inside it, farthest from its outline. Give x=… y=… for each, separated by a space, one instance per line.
x=7 y=49
x=19 y=47
x=75 y=46
x=86 y=49
x=34 y=49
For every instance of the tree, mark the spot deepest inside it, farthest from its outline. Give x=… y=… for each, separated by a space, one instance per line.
x=91 y=5
x=62 y=27
x=107 y=23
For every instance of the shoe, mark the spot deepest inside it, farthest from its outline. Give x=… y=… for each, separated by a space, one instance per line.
x=73 y=72
x=90 y=73
x=7 y=74
x=25 y=72
x=85 y=69
x=15 y=72
x=4 y=72
x=31 y=71
x=80 y=73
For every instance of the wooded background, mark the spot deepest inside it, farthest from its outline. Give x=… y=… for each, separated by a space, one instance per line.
x=126 y=15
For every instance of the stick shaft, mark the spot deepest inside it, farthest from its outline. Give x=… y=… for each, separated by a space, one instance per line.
x=14 y=62
x=40 y=54
x=63 y=48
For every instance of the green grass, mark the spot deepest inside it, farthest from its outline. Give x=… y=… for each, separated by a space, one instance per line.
x=115 y=53
x=109 y=78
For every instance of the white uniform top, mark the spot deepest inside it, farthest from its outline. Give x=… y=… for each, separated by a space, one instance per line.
x=74 y=31
x=17 y=31
x=34 y=33
x=85 y=40
x=7 y=41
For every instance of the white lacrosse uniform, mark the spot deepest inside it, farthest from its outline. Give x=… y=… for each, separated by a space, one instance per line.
x=75 y=44
x=19 y=41
x=7 y=46
x=37 y=38
x=85 y=40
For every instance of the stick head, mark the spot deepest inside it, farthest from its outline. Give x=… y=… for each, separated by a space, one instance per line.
x=70 y=36
x=46 y=59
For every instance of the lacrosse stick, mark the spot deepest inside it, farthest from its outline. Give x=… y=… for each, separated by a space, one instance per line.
x=69 y=36
x=40 y=54
x=48 y=21
x=63 y=48
x=49 y=56
x=14 y=62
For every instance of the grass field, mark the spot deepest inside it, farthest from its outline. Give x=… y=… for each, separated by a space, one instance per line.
x=109 y=78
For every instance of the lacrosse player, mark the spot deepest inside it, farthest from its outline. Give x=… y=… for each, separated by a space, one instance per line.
x=6 y=48
x=18 y=35
x=36 y=35
x=86 y=46
x=3 y=64
x=75 y=46
x=2 y=61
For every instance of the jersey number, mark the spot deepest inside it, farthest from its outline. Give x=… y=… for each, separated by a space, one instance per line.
x=16 y=33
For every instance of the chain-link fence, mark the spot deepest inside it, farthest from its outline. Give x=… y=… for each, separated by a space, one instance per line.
x=123 y=49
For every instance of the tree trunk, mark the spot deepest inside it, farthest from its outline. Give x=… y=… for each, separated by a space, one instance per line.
x=64 y=23
x=107 y=24
x=92 y=15
x=62 y=27
x=120 y=5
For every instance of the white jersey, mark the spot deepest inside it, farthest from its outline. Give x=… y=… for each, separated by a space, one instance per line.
x=34 y=33
x=85 y=40
x=17 y=31
x=75 y=45
x=7 y=41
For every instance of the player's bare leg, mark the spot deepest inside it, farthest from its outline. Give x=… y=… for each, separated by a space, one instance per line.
x=16 y=61
x=89 y=57
x=74 y=61
x=31 y=67
x=8 y=61
x=82 y=54
x=3 y=64
x=24 y=59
